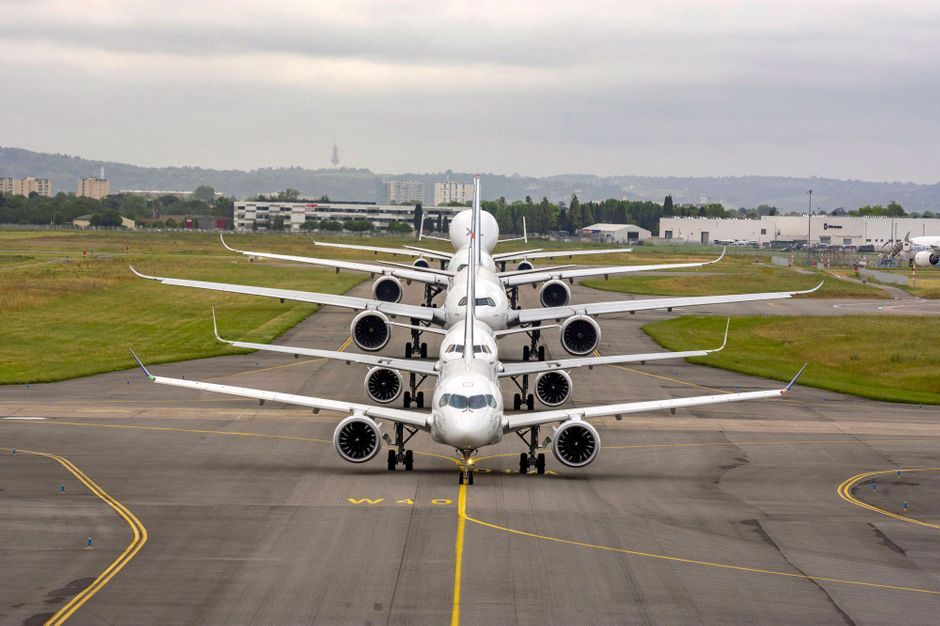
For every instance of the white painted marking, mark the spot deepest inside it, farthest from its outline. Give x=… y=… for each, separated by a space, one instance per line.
x=25 y=419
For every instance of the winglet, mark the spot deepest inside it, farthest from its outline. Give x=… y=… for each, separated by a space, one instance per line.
x=142 y=275
x=800 y=293
x=793 y=382
x=725 y=341
x=227 y=247
x=142 y=366
x=525 y=234
x=723 y=250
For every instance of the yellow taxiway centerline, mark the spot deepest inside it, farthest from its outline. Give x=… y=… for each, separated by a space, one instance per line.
x=845 y=492
x=458 y=551
x=140 y=538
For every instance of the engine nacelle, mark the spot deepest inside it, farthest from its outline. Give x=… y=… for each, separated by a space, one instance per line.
x=576 y=443
x=525 y=266
x=926 y=258
x=387 y=289
x=370 y=330
x=554 y=293
x=357 y=439
x=580 y=335
x=421 y=262
x=383 y=384
x=553 y=388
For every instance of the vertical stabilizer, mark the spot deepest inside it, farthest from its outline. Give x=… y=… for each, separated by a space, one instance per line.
x=472 y=267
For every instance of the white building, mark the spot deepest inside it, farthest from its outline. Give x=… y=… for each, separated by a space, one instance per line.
x=836 y=231
x=254 y=215
x=621 y=233
x=447 y=192
x=402 y=191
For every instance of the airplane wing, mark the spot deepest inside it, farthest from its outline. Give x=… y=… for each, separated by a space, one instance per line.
x=431 y=254
x=427 y=368
x=411 y=418
x=428 y=270
x=538 y=418
x=571 y=274
x=554 y=254
x=592 y=309
x=537 y=367
x=346 y=302
x=402 y=273
x=534 y=270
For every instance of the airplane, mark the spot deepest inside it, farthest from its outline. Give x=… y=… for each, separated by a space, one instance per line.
x=467 y=411
x=923 y=251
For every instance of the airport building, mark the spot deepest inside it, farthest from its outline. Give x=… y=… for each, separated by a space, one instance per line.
x=26 y=186
x=788 y=229
x=447 y=192
x=255 y=215
x=96 y=188
x=402 y=191
x=620 y=233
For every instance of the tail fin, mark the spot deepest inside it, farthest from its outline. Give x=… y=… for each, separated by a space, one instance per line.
x=474 y=263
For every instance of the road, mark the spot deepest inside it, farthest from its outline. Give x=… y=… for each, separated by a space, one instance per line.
x=727 y=514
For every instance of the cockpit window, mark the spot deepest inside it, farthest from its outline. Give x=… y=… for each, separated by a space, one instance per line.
x=477 y=349
x=457 y=402
x=479 y=301
x=463 y=402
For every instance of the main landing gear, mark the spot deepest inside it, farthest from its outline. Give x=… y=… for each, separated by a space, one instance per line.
x=430 y=292
x=399 y=455
x=534 y=350
x=530 y=436
x=413 y=397
x=524 y=398
x=416 y=348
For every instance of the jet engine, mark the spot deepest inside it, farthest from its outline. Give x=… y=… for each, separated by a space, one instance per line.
x=580 y=335
x=554 y=293
x=576 y=443
x=370 y=330
x=553 y=388
x=357 y=439
x=387 y=289
x=525 y=266
x=421 y=262
x=926 y=258
x=383 y=384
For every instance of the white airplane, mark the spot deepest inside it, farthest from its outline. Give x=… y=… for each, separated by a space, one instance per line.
x=921 y=251
x=467 y=410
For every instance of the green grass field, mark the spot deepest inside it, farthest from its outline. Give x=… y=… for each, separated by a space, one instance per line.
x=733 y=275
x=65 y=316
x=877 y=357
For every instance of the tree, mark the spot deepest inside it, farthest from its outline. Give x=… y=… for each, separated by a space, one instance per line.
x=438 y=225
x=278 y=223
x=574 y=214
x=310 y=225
x=204 y=193
x=668 y=207
x=289 y=195
x=106 y=219
x=331 y=225
x=359 y=226
x=418 y=216
x=399 y=227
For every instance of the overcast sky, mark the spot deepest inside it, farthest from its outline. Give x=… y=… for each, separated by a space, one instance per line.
x=823 y=87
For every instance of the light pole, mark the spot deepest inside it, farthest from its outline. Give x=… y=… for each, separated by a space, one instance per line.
x=809 y=219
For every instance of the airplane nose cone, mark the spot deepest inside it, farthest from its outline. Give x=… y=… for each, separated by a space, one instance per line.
x=469 y=431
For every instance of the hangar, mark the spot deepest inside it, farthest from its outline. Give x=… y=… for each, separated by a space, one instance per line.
x=621 y=233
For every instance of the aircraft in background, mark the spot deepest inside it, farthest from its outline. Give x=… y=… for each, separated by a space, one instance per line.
x=467 y=410
x=921 y=251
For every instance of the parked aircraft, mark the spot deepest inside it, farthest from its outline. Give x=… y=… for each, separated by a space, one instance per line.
x=922 y=251
x=467 y=410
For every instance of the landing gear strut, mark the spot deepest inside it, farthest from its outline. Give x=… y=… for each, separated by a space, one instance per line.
x=534 y=349
x=414 y=396
x=430 y=292
x=466 y=466
x=530 y=436
x=415 y=348
x=512 y=294
x=524 y=398
x=399 y=455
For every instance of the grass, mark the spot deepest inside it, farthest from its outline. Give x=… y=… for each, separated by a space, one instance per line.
x=877 y=357
x=734 y=275
x=71 y=316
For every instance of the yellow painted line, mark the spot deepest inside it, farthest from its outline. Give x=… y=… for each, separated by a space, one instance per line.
x=770 y=443
x=845 y=492
x=138 y=541
x=676 y=559
x=458 y=552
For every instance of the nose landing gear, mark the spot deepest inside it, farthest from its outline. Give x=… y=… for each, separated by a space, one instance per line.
x=466 y=466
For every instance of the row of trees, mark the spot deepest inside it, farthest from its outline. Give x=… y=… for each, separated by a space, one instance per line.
x=64 y=207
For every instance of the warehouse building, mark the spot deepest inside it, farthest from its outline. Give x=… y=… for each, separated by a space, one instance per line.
x=772 y=230
x=619 y=233
x=254 y=215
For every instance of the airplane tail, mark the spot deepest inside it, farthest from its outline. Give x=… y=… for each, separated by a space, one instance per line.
x=474 y=263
